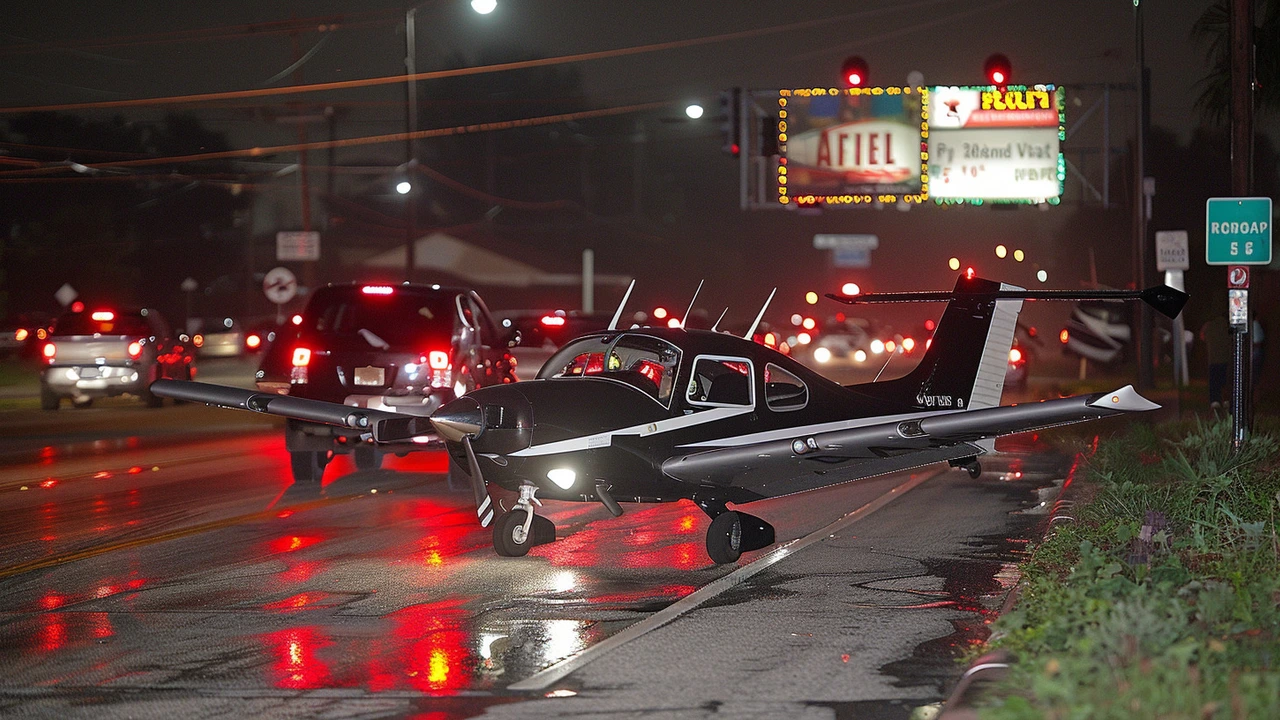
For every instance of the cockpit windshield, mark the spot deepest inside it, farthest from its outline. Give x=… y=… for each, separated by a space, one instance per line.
x=646 y=363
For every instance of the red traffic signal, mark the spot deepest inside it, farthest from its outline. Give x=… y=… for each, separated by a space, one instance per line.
x=997 y=69
x=854 y=71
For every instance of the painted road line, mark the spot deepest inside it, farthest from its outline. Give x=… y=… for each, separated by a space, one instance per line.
x=553 y=674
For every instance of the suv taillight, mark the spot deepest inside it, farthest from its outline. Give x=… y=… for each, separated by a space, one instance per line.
x=441 y=368
x=135 y=350
x=50 y=351
x=301 y=358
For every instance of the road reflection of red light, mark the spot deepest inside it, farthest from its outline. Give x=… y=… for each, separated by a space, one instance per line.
x=100 y=625
x=429 y=650
x=53 y=632
x=284 y=514
x=306 y=600
x=135 y=470
x=301 y=572
x=101 y=475
x=48 y=483
x=290 y=543
x=296 y=666
x=683 y=556
x=51 y=600
x=687 y=524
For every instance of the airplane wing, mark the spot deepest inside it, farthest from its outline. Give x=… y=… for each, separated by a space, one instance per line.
x=805 y=462
x=382 y=425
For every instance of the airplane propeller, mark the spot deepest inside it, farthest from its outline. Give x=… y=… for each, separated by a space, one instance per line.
x=460 y=421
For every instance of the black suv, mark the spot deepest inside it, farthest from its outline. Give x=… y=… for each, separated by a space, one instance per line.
x=403 y=348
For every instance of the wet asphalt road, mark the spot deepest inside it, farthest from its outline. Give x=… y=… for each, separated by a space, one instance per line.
x=162 y=562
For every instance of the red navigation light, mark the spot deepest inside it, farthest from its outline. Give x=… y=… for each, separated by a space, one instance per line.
x=552 y=320
x=377 y=290
x=103 y=316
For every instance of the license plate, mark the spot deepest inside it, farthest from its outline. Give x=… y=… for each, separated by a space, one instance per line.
x=370 y=376
x=89 y=372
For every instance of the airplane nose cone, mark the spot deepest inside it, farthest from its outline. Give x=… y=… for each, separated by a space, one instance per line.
x=458 y=418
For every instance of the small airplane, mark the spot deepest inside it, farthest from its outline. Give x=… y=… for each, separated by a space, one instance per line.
x=662 y=414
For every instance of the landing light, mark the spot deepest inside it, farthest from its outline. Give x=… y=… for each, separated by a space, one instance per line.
x=850 y=288
x=563 y=477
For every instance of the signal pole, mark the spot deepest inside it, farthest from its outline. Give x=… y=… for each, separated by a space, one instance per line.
x=1241 y=29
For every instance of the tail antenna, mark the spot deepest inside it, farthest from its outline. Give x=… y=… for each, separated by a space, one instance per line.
x=752 y=330
x=613 y=324
x=685 y=319
x=716 y=327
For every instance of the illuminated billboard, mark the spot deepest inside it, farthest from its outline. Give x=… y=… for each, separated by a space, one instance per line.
x=851 y=146
x=996 y=144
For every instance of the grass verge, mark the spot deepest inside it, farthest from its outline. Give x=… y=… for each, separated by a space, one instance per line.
x=1163 y=598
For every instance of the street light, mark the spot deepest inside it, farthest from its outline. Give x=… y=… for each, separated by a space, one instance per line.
x=694 y=111
x=483 y=7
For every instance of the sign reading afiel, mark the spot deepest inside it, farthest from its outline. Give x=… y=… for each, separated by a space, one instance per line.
x=996 y=144
x=851 y=146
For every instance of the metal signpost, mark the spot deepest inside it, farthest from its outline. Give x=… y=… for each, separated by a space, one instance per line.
x=1173 y=256
x=1238 y=233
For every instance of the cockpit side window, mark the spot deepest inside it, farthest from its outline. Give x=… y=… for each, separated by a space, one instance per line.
x=783 y=390
x=719 y=381
x=646 y=363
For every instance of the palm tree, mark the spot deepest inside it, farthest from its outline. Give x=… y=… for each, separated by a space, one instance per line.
x=1214 y=28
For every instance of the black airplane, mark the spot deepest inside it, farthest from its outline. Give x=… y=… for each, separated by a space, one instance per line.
x=663 y=414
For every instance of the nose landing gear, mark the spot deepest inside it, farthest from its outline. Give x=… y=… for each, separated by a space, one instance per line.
x=519 y=529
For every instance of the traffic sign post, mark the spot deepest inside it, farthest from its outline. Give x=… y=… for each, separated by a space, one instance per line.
x=1237 y=232
x=280 y=285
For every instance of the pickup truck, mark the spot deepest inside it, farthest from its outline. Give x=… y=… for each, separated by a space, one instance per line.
x=107 y=352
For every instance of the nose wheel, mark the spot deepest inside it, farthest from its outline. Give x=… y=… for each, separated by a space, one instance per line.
x=519 y=529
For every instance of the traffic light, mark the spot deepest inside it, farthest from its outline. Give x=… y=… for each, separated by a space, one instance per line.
x=729 y=128
x=853 y=73
x=997 y=69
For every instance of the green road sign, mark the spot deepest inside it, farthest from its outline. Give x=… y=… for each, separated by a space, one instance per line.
x=1237 y=231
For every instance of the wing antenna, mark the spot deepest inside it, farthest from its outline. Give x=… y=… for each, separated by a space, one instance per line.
x=685 y=319
x=715 y=328
x=613 y=324
x=752 y=330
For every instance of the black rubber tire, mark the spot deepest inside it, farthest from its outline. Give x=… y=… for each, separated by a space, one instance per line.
x=503 y=530
x=367 y=457
x=974 y=469
x=756 y=533
x=724 y=538
x=49 y=400
x=308 y=465
x=82 y=404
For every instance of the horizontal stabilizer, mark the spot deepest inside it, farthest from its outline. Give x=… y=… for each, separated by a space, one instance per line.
x=1166 y=300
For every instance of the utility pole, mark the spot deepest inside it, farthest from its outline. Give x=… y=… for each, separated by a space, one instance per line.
x=1242 y=83
x=1140 y=199
x=411 y=145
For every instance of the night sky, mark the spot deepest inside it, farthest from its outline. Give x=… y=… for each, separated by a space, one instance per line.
x=87 y=51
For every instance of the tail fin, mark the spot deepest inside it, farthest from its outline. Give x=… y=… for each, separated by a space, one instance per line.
x=965 y=364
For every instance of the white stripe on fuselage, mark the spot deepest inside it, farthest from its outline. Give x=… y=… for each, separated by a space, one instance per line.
x=605 y=439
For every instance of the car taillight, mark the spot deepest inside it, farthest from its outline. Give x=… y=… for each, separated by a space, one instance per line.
x=50 y=351
x=198 y=340
x=1015 y=356
x=253 y=341
x=441 y=368
x=552 y=320
x=135 y=350
x=20 y=334
x=103 y=316
x=377 y=290
x=438 y=359
x=298 y=373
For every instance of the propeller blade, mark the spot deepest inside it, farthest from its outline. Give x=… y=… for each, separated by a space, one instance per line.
x=484 y=503
x=458 y=419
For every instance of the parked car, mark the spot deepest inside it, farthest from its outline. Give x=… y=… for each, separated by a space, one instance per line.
x=552 y=328
x=103 y=352
x=402 y=348
x=216 y=337
x=260 y=335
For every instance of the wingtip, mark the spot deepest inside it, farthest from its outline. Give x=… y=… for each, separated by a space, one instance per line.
x=1126 y=399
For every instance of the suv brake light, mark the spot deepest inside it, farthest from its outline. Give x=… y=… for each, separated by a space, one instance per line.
x=50 y=351
x=441 y=368
x=135 y=350
x=438 y=360
x=377 y=290
x=103 y=316
x=301 y=357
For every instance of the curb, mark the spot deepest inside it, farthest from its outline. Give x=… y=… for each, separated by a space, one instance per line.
x=994 y=665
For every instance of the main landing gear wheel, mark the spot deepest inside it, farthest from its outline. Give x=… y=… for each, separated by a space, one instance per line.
x=974 y=468
x=367 y=457
x=733 y=533
x=510 y=538
x=308 y=465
